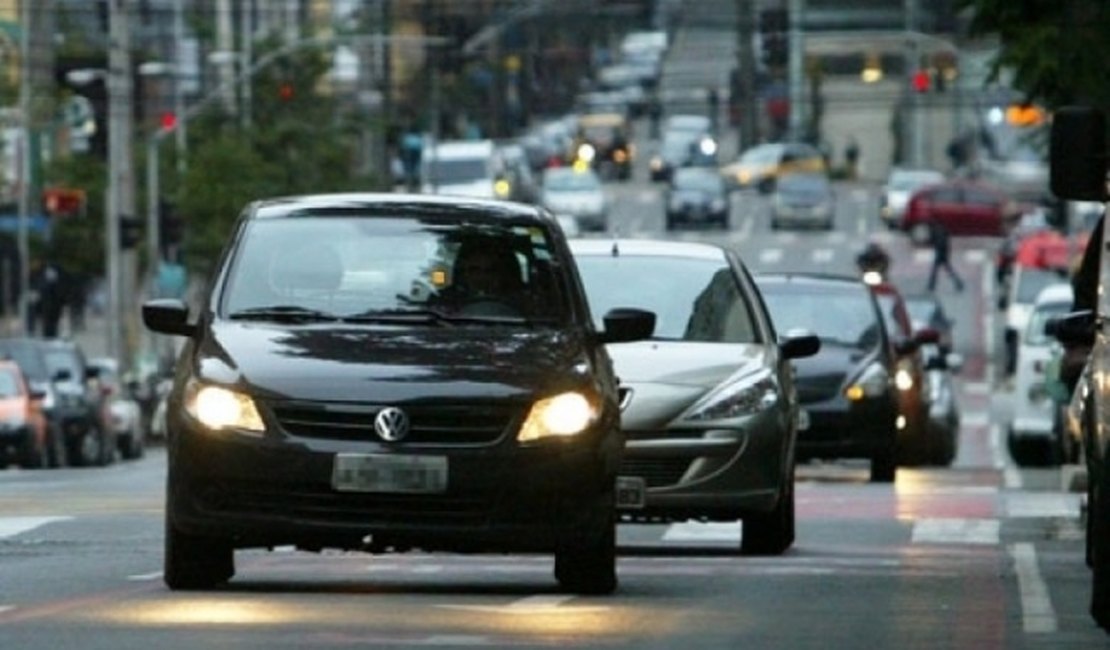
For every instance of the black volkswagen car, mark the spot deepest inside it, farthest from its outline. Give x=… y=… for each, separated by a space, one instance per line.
x=847 y=390
x=696 y=195
x=393 y=372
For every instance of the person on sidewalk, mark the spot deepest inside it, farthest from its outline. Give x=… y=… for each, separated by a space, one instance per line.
x=942 y=250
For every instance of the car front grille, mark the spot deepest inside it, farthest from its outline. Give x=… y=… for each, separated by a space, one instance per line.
x=461 y=424
x=656 y=472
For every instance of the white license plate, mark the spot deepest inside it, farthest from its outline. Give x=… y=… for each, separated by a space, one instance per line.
x=631 y=491
x=395 y=473
x=803 y=419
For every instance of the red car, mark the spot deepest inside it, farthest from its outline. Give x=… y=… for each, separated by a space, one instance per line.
x=962 y=207
x=22 y=423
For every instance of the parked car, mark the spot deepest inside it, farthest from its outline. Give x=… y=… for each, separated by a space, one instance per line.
x=962 y=207
x=803 y=199
x=577 y=193
x=389 y=372
x=126 y=416
x=761 y=166
x=23 y=426
x=83 y=409
x=29 y=355
x=709 y=407
x=847 y=390
x=915 y=445
x=696 y=195
x=1026 y=283
x=1034 y=436
x=900 y=184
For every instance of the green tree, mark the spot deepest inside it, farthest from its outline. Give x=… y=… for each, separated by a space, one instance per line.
x=1057 y=51
x=77 y=243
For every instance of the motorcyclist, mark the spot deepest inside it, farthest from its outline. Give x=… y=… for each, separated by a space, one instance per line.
x=873 y=258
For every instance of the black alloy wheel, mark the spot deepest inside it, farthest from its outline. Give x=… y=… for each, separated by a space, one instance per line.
x=884 y=464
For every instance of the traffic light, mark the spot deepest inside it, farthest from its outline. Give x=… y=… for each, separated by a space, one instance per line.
x=774 y=26
x=130 y=231
x=63 y=202
x=286 y=93
x=921 y=81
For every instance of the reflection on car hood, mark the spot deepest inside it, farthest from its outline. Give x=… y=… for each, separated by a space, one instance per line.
x=823 y=375
x=364 y=364
x=668 y=377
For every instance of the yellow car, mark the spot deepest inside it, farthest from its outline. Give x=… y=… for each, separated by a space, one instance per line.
x=761 y=166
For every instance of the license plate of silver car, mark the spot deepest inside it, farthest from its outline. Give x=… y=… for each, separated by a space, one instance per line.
x=631 y=492
x=389 y=473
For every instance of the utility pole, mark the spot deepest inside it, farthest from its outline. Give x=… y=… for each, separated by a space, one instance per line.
x=745 y=69
x=796 y=69
x=245 y=57
x=122 y=329
x=225 y=42
x=179 y=82
x=387 y=84
x=24 y=165
x=912 y=140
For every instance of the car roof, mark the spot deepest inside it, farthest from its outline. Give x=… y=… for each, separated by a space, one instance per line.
x=417 y=205
x=647 y=247
x=1055 y=293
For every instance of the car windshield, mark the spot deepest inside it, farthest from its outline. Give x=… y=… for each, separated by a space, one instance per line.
x=63 y=361
x=322 y=267
x=1034 y=332
x=693 y=299
x=448 y=171
x=697 y=180
x=840 y=317
x=563 y=180
x=9 y=384
x=1031 y=281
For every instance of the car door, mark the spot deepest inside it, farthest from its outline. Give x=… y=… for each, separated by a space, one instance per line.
x=945 y=206
x=983 y=211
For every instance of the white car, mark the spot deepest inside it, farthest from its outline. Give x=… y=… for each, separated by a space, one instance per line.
x=1034 y=438
x=125 y=413
x=1025 y=285
x=578 y=193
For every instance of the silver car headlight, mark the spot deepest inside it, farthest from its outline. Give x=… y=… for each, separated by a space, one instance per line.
x=745 y=396
x=872 y=382
x=219 y=408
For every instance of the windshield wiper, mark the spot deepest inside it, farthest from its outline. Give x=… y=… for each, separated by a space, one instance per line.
x=283 y=313
x=406 y=316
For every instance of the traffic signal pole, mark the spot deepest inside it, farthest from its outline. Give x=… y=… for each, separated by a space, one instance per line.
x=122 y=312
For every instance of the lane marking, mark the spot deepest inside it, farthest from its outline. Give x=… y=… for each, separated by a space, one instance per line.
x=692 y=531
x=770 y=255
x=976 y=419
x=998 y=461
x=6 y=608
x=979 y=388
x=142 y=577
x=12 y=526
x=922 y=256
x=956 y=531
x=1042 y=505
x=1012 y=478
x=1038 y=615
x=975 y=256
x=823 y=255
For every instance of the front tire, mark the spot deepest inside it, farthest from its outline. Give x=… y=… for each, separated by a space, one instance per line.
x=884 y=464
x=771 y=533
x=194 y=562
x=1099 y=539
x=586 y=564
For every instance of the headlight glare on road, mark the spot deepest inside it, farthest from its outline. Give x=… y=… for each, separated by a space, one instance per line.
x=872 y=382
x=746 y=396
x=563 y=415
x=219 y=408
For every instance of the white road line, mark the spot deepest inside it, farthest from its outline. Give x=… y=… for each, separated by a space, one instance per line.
x=699 y=532
x=823 y=255
x=976 y=419
x=975 y=256
x=1042 y=505
x=988 y=324
x=998 y=456
x=861 y=224
x=770 y=256
x=955 y=531
x=1038 y=615
x=922 y=256
x=977 y=388
x=143 y=577
x=6 y=608
x=12 y=526
x=1012 y=478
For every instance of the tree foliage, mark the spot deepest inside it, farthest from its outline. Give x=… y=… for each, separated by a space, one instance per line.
x=1057 y=51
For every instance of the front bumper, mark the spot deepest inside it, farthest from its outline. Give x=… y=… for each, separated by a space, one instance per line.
x=840 y=428
x=277 y=490
x=713 y=473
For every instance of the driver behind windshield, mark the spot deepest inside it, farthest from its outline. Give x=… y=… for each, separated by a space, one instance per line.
x=486 y=277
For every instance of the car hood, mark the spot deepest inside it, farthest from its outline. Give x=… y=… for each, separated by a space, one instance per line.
x=359 y=364
x=666 y=377
x=825 y=374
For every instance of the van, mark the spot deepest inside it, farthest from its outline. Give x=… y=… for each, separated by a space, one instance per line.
x=472 y=169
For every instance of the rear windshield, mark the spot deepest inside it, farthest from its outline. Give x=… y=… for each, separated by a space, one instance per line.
x=841 y=317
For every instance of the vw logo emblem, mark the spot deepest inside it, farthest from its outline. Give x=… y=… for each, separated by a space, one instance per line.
x=391 y=424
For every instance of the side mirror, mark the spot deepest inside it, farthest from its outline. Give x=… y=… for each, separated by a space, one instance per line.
x=627 y=324
x=168 y=316
x=1077 y=154
x=797 y=344
x=1076 y=328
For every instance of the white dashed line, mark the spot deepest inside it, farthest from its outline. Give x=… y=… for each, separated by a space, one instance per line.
x=1042 y=505
x=770 y=256
x=12 y=526
x=823 y=255
x=143 y=577
x=1038 y=615
x=6 y=608
x=699 y=532
x=956 y=531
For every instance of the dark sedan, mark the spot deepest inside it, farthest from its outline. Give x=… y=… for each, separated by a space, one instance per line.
x=393 y=372
x=696 y=195
x=709 y=406
x=847 y=390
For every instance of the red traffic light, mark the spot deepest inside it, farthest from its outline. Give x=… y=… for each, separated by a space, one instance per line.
x=168 y=121
x=63 y=202
x=921 y=81
x=285 y=91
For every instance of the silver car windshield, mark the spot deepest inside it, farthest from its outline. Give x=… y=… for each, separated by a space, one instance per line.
x=693 y=299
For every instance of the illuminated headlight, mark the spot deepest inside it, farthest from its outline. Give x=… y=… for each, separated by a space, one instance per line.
x=872 y=382
x=502 y=188
x=743 y=397
x=564 y=415
x=49 y=400
x=219 y=408
x=656 y=163
x=707 y=146
x=620 y=156
x=743 y=177
x=587 y=152
x=903 y=380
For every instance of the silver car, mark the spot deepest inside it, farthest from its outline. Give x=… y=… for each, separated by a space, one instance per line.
x=710 y=411
x=576 y=193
